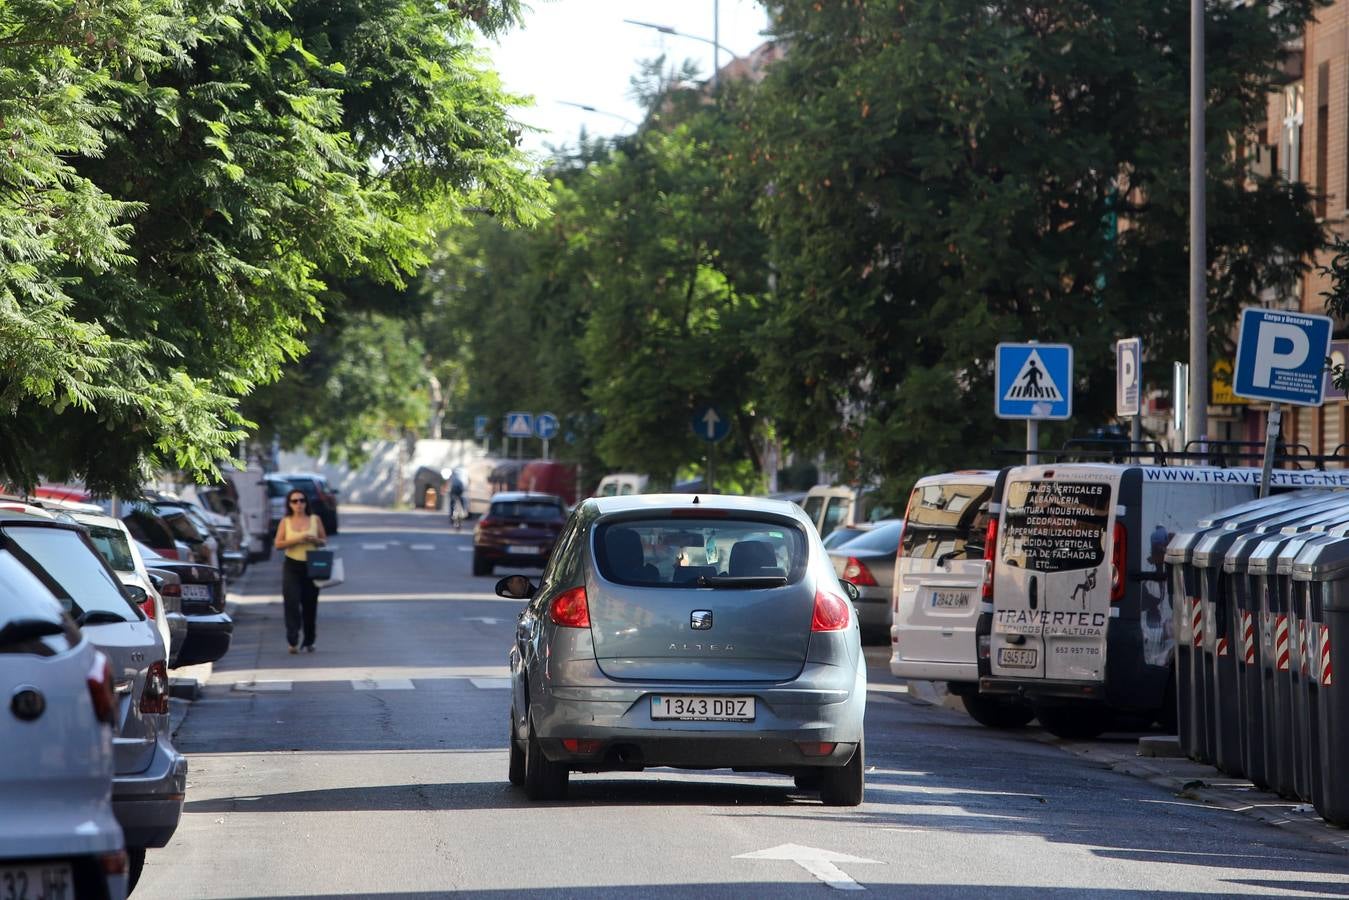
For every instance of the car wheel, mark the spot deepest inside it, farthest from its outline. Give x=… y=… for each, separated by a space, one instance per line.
x=135 y=862
x=544 y=780
x=481 y=566
x=517 y=770
x=844 y=785
x=1074 y=723
x=996 y=712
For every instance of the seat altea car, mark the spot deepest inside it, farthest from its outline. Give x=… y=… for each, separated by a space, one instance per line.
x=58 y=836
x=150 y=775
x=689 y=631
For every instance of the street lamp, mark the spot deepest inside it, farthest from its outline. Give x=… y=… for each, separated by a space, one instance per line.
x=603 y=112
x=716 y=33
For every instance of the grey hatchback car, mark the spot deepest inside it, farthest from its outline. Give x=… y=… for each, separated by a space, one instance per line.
x=690 y=631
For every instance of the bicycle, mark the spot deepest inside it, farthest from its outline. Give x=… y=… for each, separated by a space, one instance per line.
x=458 y=512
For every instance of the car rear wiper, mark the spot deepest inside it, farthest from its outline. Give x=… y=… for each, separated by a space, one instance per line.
x=99 y=617
x=21 y=630
x=741 y=581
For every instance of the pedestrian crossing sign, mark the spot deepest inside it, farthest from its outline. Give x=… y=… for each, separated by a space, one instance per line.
x=1034 y=381
x=519 y=425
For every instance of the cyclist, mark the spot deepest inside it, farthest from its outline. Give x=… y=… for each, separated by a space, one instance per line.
x=458 y=505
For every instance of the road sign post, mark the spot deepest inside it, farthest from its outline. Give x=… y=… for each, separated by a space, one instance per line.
x=1129 y=385
x=710 y=425
x=1034 y=382
x=1280 y=358
x=545 y=426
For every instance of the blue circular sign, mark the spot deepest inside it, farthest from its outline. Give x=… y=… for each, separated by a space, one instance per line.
x=545 y=426
x=709 y=424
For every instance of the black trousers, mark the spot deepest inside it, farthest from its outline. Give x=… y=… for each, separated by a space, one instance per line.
x=300 y=598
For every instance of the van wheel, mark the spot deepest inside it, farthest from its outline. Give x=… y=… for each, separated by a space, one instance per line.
x=481 y=566
x=544 y=780
x=135 y=864
x=844 y=785
x=1074 y=723
x=517 y=767
x=996 y=712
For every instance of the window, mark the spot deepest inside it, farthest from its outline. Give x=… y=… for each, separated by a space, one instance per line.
x=947 y=518
x=1322 y=135
x=71 y=570
x=676 y=552
x=528 y=510
x=1290 y=137
x=882 y=537
x=112 y=545
x=835 y=514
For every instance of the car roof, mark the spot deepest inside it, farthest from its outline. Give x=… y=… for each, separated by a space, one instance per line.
x=98 y=518
x=512 y=496
x=34 y=516
x=607 y=506
x=963 y=476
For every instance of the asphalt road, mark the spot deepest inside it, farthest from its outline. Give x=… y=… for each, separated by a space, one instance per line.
x=376 y=767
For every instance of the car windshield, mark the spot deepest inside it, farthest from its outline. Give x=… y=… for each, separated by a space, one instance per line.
x=276 y=488
x=112 y=545
x=883 y=538
x=677 y=552
x=78 y=577
x=528 y=510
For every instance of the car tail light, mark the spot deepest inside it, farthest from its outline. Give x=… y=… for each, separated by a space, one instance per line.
x=990 y=557
x=570 y=609
x=816 y=748
x=831 y=612
x=148 y=607
x=857 y=572
x=1119 y=562
x=99 y=680
x=575 y=745
x=171 y=589
x=113 y=863
x=155 y=697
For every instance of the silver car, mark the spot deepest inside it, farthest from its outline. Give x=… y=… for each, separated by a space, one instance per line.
x=690 y=631
x=868 y=561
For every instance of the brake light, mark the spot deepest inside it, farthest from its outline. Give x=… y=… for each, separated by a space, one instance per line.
x=570 y=609
x=99 y=681
x=585 y=746
x=171 y=589
x=831 y=612
x=155 y=697
x=990 y=557
x=1119 y=561
x=857 y=572
x=148 y=607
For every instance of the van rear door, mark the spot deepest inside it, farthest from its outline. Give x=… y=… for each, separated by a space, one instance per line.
x=1051 y=593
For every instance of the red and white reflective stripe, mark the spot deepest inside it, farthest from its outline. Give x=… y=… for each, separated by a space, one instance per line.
x=1326 y=672
x=1248 y=638
x=1197 y=621
x=1222 y=647
x=1303 y=658
x=1281 y=642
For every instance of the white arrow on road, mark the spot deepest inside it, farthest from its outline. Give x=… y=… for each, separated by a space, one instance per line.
x=710 y=419
x=820 y=863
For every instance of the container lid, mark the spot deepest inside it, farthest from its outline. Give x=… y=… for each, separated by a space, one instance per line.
x=1326 y=560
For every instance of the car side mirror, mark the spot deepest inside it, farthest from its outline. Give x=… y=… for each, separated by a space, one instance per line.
x=851 y=590
x=515 y=587
x=135 y=593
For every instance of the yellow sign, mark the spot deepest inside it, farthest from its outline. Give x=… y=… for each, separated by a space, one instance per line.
x=1220 y=385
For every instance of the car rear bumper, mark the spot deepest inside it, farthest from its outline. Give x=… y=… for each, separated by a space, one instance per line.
x=637 y=750
x=208 y=639
x=149 y=804
x=498 y=555
x=1042 y=688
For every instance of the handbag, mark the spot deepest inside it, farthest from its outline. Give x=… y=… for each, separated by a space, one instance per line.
x=337 y=576
x=319 y=564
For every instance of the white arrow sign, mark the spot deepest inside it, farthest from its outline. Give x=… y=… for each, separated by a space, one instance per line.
x=711 y=420
x=820 y=863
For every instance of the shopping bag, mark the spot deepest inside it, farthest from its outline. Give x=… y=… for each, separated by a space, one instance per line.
x=336 y=577
x=319 y=564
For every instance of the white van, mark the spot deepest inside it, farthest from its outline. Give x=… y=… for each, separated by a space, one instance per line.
x=939 y=573
x=1079 y=620
x=621 y=484
x=831 y=506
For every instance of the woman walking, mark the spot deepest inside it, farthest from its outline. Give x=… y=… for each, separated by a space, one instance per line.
x=298 y=533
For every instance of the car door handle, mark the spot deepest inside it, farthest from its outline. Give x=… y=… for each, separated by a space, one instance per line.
x=1034 y=593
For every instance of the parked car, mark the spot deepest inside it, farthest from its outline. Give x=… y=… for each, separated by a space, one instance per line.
x=247 y=491
x=520 y=529
x=754 y=664
x=209 y=628
x=191 y=529
x=939 y=576
x=322 y=498
x=147 y=526
x=868 y=561
x=843 y=534
x=58 y=834
x=277 y=489
x=150 y=775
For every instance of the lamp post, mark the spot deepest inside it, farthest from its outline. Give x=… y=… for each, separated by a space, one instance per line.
x=713 y=41
x=1197 y=420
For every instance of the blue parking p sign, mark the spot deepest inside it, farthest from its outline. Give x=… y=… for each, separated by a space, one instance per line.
x=1033 y=381
x=1281 y=356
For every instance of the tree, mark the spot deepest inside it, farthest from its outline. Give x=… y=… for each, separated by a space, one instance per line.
x=929 y=202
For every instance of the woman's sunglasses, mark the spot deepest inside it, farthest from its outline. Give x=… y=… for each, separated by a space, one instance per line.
x=295 y=500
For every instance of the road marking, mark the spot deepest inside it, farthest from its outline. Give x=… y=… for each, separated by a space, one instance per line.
x=491 y=684
x=820 y=863
x=466 y=549
x=422 y=547
x=486 y=620
x=262 y=685
x=374 y=546
x=382 y=684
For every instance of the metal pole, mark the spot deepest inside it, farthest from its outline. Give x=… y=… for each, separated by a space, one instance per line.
x=545 y=448
x=1135 y=431
x=1197 y=425
x=711 y=469
x=716 y=44
x=1032 y=442
x=1271 y=435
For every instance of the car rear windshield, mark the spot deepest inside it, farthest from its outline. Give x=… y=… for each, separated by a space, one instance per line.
x=78 y=577
x=112 y=545
x=881 y=539
x=183 y=528
x=677 y=552
x=22 y=595
x=527 y=510
x=947 y=518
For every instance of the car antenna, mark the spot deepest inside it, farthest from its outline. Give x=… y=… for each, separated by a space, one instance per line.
x=695 y=499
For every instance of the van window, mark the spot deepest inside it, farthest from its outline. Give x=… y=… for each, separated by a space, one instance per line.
x=947 y=518
x=1055 y=526
x=835 y=514
x=624 y=489
x=812 y=507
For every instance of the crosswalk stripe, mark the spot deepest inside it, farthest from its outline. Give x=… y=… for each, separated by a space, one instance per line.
x=374 y=546
x=422 y=547
x=262 y=685
x=382 y=684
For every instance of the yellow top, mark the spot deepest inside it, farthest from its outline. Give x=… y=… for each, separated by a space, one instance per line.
x=300 y=552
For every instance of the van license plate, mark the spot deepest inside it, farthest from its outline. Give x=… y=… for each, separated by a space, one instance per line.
x=1016 y=658
x=951 y=599
x=50 y=881
x=703 y=709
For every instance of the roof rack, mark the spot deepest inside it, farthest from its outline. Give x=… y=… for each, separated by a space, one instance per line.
x=1219 y=454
